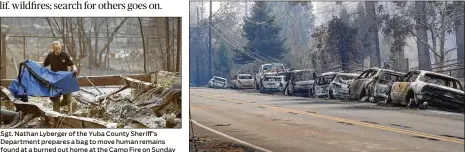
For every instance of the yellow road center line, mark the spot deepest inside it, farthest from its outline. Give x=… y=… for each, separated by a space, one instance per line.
x=343 y=120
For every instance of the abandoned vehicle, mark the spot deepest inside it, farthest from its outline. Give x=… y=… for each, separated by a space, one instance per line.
x=424 y=88
x=217 y=82
x=242 y=81
x=322 y=84
x=373 y=84
x=339 y=87
x=299 y=81
x=269 y=69
x=270 y=84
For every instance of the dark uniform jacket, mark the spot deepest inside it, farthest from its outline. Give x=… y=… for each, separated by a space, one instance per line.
x=58 y=62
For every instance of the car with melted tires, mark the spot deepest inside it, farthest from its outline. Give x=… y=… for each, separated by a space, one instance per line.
x=339 y=87
x=322 y=84
x=218 y=82
x=270 y=84
x=421 y=88
x=299 y=81
x=373 y=84
x=242 y=81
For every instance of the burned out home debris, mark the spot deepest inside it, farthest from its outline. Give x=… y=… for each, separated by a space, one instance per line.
x=133 y=103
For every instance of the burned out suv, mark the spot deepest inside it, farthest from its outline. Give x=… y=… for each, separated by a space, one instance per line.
x=373 y=84
x=420 y=88
x=299 y=81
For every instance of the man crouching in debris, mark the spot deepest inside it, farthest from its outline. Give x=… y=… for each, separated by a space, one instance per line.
x=59 y=61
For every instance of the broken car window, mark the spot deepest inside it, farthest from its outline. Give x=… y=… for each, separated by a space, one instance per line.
x=363 y=75
x=372 y=73
x=245 y=77
x=345 y=78
x=413 y=77
x=304 y=76
x=219 y=79
x=273 y=67
x=266 y=67
x=390 y=77
x=443 y=81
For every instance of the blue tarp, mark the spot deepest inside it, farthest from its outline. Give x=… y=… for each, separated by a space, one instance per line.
x=42 y=82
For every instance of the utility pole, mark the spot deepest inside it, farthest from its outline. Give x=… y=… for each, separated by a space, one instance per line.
x=210 y=42
x=197 y=77
x=375 y=58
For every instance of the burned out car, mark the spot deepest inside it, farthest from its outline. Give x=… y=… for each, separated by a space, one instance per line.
x=217 y=82
x=420 y=88
x=271 y=84
x=322 y=84
x=299 y=81
x=269 y=69
x=339 y=87
x=373 y=84
x=242 y=81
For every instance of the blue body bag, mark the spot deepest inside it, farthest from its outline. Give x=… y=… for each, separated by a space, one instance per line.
x=35 y=80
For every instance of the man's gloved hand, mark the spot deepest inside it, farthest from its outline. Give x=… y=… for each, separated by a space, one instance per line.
x=74 y=72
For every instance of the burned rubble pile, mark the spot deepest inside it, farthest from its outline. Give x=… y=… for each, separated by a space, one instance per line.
x=155 y=104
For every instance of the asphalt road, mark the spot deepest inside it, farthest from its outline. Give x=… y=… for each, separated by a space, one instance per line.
x=280 y=123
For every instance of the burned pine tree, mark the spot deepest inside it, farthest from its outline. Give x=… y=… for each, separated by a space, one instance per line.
x=262 y=35
x=341 y=44
x=397 y=27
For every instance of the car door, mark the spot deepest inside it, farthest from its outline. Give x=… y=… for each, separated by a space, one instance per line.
x=215 y=82
x=357 y=85
x=404 y=87
x=401 y=88
x=396 y=87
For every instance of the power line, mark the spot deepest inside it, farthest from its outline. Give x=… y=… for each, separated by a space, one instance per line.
x=269 y=57
x=240 y=49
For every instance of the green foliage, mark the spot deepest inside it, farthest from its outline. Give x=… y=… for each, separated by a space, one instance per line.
x=398 y=28
x=341 y=43
x=262 y=35
x=223 y=63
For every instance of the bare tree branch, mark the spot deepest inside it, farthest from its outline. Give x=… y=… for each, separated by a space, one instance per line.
x=425 y=42
x=50 y=25
x=450 y=50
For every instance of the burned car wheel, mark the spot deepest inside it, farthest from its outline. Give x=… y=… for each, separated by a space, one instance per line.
x=330 y=94
x=262 y=89
x=412 y=102
x=286 y=91
x=310 y=93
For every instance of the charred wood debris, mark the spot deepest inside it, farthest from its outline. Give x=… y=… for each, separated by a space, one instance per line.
x=155 y=104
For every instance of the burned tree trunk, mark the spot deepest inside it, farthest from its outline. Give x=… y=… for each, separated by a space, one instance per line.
x=178 y=54
x=424 y=62
x=375 y=58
